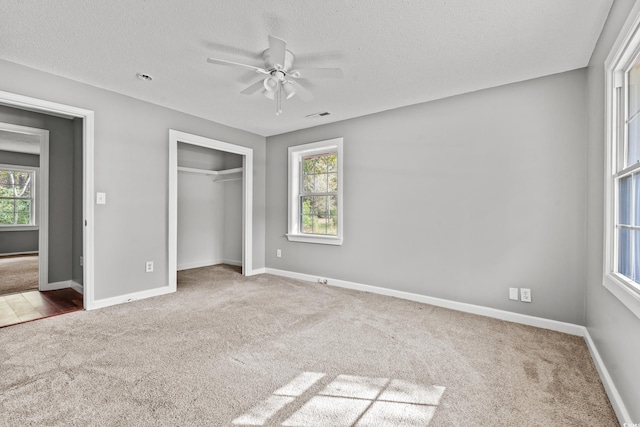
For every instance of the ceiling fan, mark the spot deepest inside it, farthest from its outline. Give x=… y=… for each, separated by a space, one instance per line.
x=279 y=76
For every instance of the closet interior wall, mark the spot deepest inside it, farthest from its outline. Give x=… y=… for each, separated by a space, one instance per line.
x=209 y=207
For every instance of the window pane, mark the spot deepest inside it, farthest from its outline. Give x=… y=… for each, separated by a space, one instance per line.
x=333 y=183
x=634 y=89
x=624 y=205
x=332 y=162
x=321 y=206
x=333 y=205
x=319 y=225
x=307 y=223
x=308 y=184
x=308 y=164
x=632 y=119
x=332 y=225
x=636 y=256
x=305 y=205
x=633 y=156
x=636 y=199
x=321 y=164
x=321 y=183
x=624 y=251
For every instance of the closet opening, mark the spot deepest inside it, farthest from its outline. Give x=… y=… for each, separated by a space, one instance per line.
x=210 y=204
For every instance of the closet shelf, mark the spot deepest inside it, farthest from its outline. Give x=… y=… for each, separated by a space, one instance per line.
x=226 y=174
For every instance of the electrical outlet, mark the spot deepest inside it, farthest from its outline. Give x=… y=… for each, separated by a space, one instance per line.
x=513 y=294
x=323 y=281
x=149 y=266
x=279 y=253
x=525 y=295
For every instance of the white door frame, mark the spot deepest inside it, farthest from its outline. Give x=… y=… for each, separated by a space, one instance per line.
x=247 y=198
x=87 y=116
x=42 y=199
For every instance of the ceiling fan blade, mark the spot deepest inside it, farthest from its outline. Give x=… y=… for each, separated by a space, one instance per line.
x=301 y=91
x=317 y=73
x=254 y=87
x=277 y=48
x=237 y=64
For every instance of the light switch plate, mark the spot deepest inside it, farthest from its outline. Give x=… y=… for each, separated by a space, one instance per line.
x=101 y=198
x=513 y=294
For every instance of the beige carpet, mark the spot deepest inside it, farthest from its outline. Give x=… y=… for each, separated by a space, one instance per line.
x=18 y=274
x=226 y=350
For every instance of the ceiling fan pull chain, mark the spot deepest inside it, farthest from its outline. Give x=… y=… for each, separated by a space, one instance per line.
x=279 y=100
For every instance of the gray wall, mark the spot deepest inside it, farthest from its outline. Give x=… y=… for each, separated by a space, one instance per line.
x=78 y=216
x=209 y=214
x=61 y=188
x=614 y=329
x=200 y=209
x=12 y=242
x=460 y=198
x=131 y=166
x=232 y=248
x=22 y=159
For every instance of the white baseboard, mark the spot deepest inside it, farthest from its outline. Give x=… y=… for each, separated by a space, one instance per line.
x=121 y=299
x=554 y=325
x=77 y=286
x=63 y=285
x=208 y=263
x=614 y=397
x=20 y=253
x=198 y=264
x=256 y=271
x=57 y=285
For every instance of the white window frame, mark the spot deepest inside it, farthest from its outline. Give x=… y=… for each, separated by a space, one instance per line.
x=296 y=153
x=35 y=205
x=625 y=51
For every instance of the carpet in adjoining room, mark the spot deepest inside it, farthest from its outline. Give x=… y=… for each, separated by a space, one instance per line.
x=18 y=273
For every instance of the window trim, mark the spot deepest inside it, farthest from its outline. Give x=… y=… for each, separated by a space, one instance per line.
x=295 y=154
x=624 y=51
x=35 y=212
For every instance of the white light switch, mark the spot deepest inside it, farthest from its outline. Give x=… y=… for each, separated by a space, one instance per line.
x=101 y=198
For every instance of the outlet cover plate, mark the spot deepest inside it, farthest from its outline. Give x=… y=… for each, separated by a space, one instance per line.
x=525 y=294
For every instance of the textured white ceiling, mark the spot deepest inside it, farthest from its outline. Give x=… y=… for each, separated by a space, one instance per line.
x=393 y=52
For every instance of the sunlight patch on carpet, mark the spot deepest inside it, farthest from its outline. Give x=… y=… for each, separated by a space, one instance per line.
x=348 y=400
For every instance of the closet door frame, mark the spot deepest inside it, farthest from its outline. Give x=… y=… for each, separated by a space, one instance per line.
x=176 y=136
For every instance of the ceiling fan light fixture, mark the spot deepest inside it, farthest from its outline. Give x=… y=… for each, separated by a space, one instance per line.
x=269 y=95
x=289 y=90
x=271 y=84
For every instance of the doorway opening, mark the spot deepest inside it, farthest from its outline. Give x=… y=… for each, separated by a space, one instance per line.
x=84 y=180
x=183 y=139
x=24 y=208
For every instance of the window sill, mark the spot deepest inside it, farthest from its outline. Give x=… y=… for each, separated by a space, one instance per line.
x=315 y=238
x=628 y=296
x=19 y=228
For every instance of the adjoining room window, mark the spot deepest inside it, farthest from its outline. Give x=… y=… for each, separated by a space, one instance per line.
x=17 y=196
x=622 y=198
x=315 y=192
